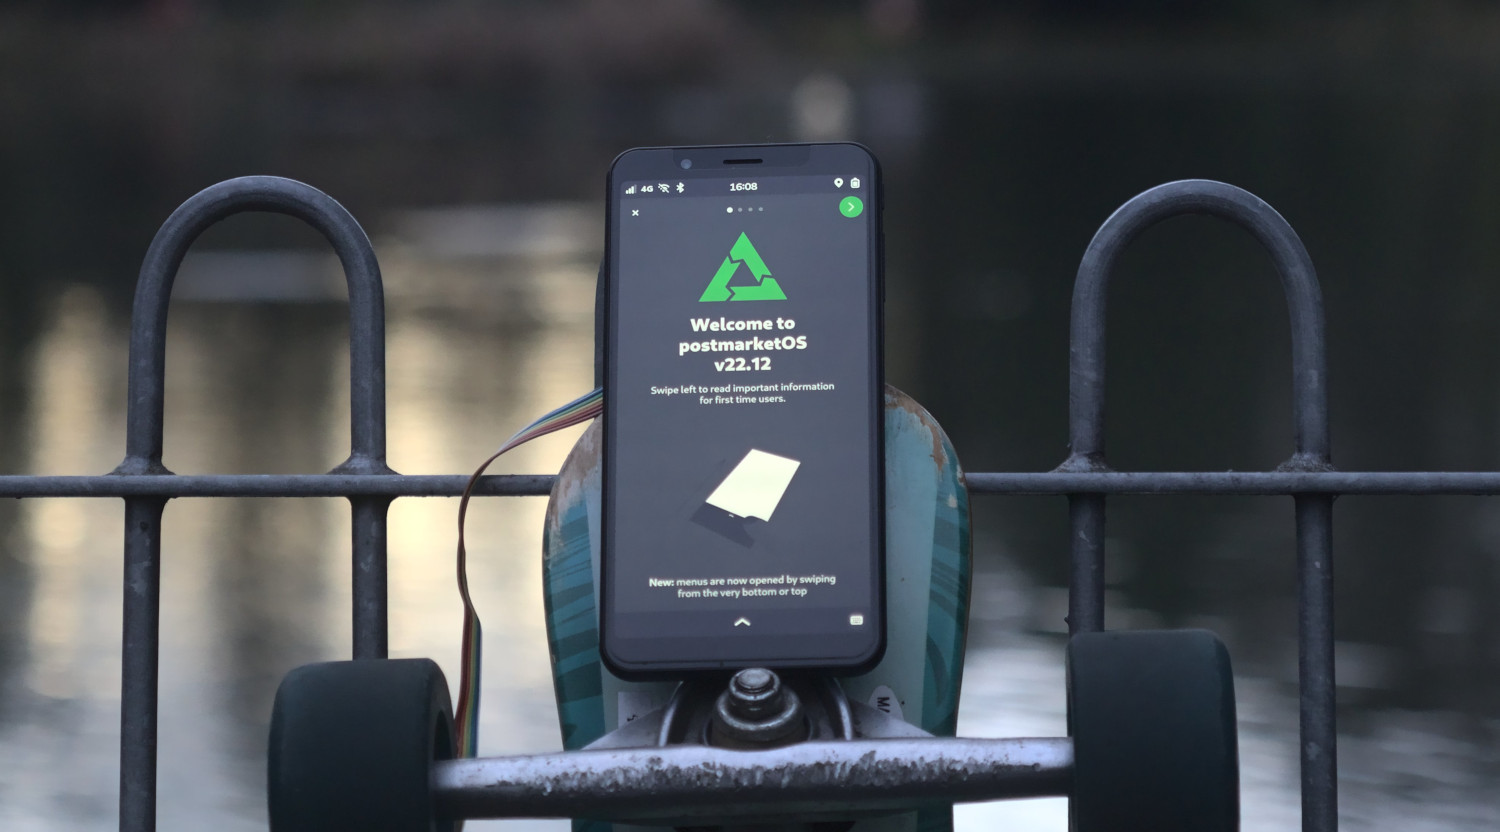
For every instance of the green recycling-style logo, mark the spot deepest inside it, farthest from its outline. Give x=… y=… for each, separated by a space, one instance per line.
x=764 y=288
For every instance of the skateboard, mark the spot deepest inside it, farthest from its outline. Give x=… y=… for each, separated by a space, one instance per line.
x=928 y=569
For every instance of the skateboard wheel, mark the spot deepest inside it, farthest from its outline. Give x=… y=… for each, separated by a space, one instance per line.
x=352 y=747
x=1152 y=718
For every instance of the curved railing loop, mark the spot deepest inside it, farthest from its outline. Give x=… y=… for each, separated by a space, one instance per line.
x=1298 y=279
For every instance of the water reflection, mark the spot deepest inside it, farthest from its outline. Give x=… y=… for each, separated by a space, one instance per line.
x=62 y=692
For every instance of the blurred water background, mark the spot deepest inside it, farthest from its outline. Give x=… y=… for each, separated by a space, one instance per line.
x=471 y=139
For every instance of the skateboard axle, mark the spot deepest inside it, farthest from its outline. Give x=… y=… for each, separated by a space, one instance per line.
x=694 y=782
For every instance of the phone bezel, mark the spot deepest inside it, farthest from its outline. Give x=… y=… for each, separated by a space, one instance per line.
x=625 y=657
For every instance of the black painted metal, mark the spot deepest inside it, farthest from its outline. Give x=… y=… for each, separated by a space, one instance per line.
x=138 y=669
x=1314 y=512
x=274 y=485
x=143 y=448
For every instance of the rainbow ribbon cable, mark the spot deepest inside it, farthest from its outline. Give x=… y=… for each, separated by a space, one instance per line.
x=466 y=718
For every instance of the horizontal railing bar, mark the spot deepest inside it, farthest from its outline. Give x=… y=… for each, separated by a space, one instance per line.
x=273 y=485
x=682 y=783
x=1246 y=483
x=1249 y=483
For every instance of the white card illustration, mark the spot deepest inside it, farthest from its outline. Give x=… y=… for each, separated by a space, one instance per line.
x=755 y=487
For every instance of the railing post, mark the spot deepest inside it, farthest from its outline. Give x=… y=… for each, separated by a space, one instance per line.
x=143 y=449
x=1314 y=512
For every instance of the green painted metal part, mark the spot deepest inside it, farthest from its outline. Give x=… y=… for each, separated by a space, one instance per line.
x=928 y=569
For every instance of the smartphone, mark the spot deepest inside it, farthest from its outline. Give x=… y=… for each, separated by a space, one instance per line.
x=743 y=415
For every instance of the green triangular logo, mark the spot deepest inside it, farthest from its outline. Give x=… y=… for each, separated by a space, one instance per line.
x=764 y=288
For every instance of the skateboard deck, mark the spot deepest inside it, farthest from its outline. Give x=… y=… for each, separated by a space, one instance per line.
x=928 y=566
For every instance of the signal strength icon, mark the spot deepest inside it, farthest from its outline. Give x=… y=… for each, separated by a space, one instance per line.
x=630 y=190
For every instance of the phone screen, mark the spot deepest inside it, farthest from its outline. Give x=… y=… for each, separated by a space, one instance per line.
x=743 y=446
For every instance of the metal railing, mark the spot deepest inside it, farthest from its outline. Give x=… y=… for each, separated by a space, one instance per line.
x=370 y=485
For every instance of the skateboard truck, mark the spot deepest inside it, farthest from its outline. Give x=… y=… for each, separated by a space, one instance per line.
x=764 y=750
x=365 y=745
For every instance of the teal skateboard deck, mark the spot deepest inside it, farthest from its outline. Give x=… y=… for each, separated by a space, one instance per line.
x=928 y=567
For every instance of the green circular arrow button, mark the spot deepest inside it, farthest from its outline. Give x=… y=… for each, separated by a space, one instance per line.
x=851 y=206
